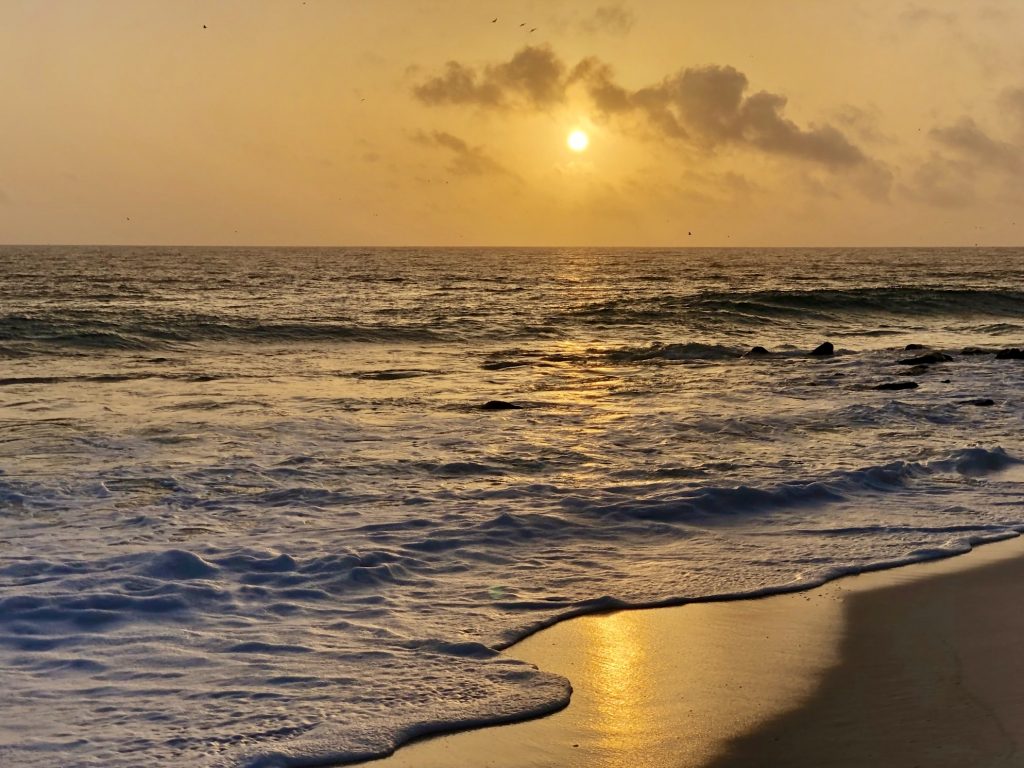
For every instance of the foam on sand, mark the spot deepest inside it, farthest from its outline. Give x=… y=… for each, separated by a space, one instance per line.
x=878 y=669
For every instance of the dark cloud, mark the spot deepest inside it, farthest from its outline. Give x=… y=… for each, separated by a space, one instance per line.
x=966 y=138
x=862 y=121
x=614 y=19
x=534 y=75
x=459 y=85
x=605 y=93
x=466 y=160
x=710 y=106
x=705 y=106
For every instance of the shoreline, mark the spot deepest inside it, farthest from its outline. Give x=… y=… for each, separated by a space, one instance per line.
x=723 y=683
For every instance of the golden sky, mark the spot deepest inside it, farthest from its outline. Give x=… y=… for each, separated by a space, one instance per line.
x=425 y=122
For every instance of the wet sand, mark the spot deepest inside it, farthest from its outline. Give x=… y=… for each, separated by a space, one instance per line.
x=921 y=665
x=931 y=673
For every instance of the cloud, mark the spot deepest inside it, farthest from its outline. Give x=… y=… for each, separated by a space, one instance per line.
x=703 y=106
x=966 y=31
x=917 y=15
x=534 y=74
x=942 y=182
x=710 y=106
x=966 y=139
x=614 y=19
x=968 y=162
x=863 y=123
x=1012 y=102
x=994 y=14
x=466 y=160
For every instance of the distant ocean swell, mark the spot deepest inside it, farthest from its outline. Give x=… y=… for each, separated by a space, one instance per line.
x=161 y=332
x=773 y=307
x=145 y=330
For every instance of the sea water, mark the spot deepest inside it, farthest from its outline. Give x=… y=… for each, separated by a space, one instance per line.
x=253 y=514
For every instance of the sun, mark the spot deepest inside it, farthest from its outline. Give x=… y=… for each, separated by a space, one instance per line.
x=577 y=141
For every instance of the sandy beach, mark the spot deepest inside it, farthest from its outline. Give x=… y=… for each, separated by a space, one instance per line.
x=921 y=665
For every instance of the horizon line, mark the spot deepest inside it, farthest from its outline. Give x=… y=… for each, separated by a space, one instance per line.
x=512 y=247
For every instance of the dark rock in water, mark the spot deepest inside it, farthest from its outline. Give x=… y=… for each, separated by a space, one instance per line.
x=917 y=370
x=500 y=405
x=929 y=359
x=981 y=401
x=947 y=381
x=912 y=347
x=757 y=352
x=824 y=350
x=977 y=351
x=1013 y=353
x=898 y=385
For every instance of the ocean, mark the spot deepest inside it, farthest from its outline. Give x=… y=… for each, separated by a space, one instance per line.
x=253 y=513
